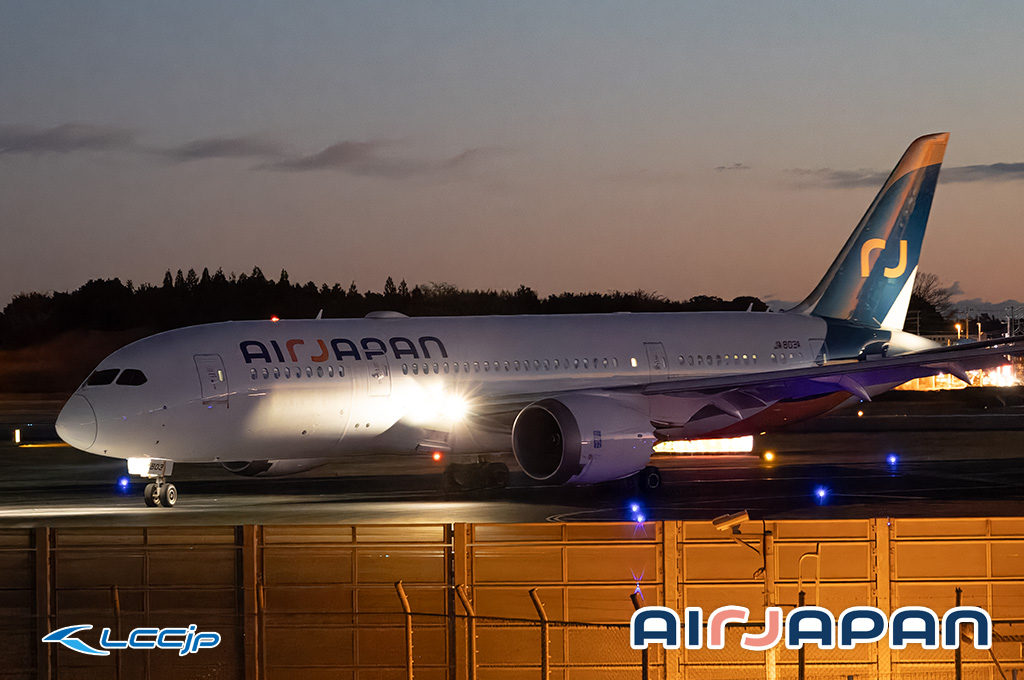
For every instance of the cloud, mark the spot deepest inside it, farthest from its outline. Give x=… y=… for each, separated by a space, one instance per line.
x=365 y=158
x=983 y=173
x=845 y=179
x=345 y=155
x=734 y=166
x=840 y=179
x=223 y=147
x=369 y=159
x=63 y=139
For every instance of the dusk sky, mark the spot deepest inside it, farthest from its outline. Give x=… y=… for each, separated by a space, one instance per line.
x=682 y=148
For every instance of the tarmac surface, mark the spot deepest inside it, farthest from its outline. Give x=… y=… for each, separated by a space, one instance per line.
x=944 y=457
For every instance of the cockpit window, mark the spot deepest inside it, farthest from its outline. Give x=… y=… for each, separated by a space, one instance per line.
x=104 y=377
x=131 y=376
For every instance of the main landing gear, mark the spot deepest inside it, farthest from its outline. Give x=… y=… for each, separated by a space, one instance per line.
x=160 y=494
x=646 y=481
x=470 y=476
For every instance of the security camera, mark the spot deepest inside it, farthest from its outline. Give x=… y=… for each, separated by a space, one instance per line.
x=726 y=522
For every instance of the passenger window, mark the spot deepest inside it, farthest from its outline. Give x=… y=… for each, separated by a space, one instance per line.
x=252 y=372
x=586 y=364
x=298 y=372
x=718 y=360
x=606 y=362
x=341 y=371
x=476 y=366
x=415 y=369
x=309 y=372
x=330 y=371
x=547 y=364
x=506 y=366
x=436 y=370
x=515 y=364
x=575 y=363
x=700 y=360
x=266 y=373
x=132 y=377
x=615 y=362
x=446 y=367
x=487 y=366
x=319 y=371
x=726 y=359
x=104 y=377
x=287 y=372
x=277 y=373
x=455 y=365
x=536 y=364
x=690 y=359
x=405 y=369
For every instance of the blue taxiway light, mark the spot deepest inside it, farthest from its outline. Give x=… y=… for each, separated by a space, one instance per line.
x=893 y=459
x=123 y=483
x=821 y=493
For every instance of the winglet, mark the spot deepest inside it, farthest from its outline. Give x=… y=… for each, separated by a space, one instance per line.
x=871 y=280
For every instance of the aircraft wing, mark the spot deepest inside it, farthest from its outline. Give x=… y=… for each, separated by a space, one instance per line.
x=855 y=377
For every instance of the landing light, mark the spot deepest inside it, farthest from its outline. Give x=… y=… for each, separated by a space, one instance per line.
x=769 y=456
x=138 y=466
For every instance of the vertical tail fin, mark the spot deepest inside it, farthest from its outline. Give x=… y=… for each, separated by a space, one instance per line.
x=871 y=280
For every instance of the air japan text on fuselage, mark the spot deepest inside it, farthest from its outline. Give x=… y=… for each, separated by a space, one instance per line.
x=338 y=349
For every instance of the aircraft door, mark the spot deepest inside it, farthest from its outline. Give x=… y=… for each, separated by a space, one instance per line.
x=212 y=379
x=378 y=379
x=657 y=360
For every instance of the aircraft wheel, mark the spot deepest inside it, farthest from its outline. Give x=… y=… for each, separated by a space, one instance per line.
x=151 y=495
x=498 y=475
x=168 y=496
x=650 y=478
x=448 y=482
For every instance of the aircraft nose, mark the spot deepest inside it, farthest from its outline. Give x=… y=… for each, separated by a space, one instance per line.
x=76 y=423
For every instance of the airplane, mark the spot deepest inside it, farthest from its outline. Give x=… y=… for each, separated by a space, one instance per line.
x=577 y=399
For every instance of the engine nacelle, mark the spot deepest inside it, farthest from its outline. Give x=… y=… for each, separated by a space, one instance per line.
x=272 y=468
x=583 y=439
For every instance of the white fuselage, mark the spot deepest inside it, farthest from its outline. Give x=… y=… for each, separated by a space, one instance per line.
x=316 y=389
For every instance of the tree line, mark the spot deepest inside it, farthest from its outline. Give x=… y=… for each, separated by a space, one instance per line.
x=188 y=298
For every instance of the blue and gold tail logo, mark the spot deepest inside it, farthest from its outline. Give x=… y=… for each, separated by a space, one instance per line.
x=873 y=244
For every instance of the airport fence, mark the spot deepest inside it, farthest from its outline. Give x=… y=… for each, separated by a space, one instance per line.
x=311 y=602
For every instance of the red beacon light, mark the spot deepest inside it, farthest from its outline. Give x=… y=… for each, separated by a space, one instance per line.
x=436 y=456
x=275 y=318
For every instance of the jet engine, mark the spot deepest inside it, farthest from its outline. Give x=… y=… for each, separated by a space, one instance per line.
x=272 y=468
x=583 y=438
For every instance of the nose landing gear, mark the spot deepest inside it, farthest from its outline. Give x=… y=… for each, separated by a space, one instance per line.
x=159 y=492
